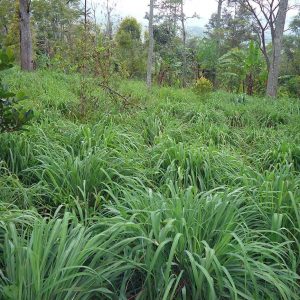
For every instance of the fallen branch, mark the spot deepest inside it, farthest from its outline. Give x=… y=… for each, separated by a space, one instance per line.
x=116 y=93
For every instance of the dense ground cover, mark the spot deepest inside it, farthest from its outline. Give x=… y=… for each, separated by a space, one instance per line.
x=175 y=196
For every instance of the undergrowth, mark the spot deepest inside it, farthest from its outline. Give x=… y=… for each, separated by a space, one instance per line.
x=173 y=197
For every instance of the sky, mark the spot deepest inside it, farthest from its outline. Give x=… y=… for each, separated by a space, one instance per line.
x=138 y=9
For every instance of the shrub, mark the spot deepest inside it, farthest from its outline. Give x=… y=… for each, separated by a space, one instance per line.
x=203 y=86
x=11 y=116
x=294 y=86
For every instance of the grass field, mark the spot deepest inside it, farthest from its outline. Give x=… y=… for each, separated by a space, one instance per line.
x=175 y=196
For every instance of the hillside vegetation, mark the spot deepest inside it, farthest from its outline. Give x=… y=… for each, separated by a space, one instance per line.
x=170 y=195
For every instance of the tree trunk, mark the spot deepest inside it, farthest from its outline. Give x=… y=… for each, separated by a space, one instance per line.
x=85 y=15
x=25 y=36
x=219 y=13
x=184 y=54
x=218 y=28
x=250 y=84
x=277 y=47
x=219 y=19
x=151 y=46
x=109 y=24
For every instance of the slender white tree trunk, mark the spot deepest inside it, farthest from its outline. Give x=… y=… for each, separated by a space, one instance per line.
x=25 y=36
x=151 y=46
x=109 y=25
x=184 y=56
x=219 y=18
x=277 y=47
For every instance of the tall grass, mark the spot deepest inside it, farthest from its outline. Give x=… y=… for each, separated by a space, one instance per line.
x=175 y=197
x=62 y=259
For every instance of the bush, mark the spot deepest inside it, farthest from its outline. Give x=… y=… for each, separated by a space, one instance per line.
x=11 y=116
x=294 y=86
x=289 y=86
x=203 y=86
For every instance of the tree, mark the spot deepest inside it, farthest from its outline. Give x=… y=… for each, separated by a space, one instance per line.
x=110 y=6
x=240 y=69
x=269 y=16
x=290 y=67
x=295 y=25
x=131 y=27
x=151 y=45
x=25 y=36
x=290 y=56
x=207 y=58
x=55 y=25
x=7 y=14
x=232 y=30
x=130 y=50
x=168 y=56
x=228 y=28
x=253 y=66
x=277 y=46
x=172 y=12
x=291 y=49
x=173 y=53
